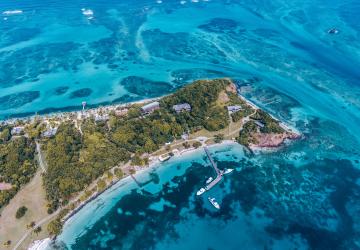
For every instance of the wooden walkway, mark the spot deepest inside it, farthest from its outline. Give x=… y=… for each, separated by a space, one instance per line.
x=218 y=172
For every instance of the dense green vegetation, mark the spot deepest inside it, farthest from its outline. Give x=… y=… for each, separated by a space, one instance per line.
x=55 y=227
x=271 y=125
x=202 y=96
x=245 y=137
x=75 y=160
x=17 y=164
x=21 y=212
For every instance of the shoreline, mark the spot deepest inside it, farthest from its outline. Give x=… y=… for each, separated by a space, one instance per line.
x=154 y=162
x=75 y=112
x=152 y=165
x=42 y=244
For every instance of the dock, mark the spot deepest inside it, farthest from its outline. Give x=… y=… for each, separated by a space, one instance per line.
x=218 y=172
x=214 y=182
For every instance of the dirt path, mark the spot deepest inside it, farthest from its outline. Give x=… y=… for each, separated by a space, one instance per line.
x=39 y=224
x=40 y=157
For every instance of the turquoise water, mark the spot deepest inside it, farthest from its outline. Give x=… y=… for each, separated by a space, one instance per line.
x=303 y=196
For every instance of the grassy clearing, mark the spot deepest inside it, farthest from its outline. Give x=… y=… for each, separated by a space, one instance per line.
x=32 y=196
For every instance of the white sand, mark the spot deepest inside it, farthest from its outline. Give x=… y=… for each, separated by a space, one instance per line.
x=40 y=244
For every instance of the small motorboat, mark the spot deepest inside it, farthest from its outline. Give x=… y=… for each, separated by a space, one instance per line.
x=214 y=202
x=333 y=31
x=201 y=191
x=209 y=180
x=163 y=158
x=228 y=170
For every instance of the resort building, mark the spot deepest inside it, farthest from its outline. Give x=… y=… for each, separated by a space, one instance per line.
x=121 y=112
x=149 y=108
x=233 y=109
x=182 y=107
x=17 y=130
x=185 y=136
x=100 y=118
x=50 y=132
x=259 y=124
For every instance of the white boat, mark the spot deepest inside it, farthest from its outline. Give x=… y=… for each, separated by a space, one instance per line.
x=228 y=170
x=209 y=180
x=333 y=31
x=12 y=12
x=201 y=191
x=214 y=203
x=163 y=158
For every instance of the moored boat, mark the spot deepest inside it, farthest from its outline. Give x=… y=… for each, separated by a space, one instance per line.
x=163 y=158
x=228 y=170
x=214 y=202
x=209 y=180
x=201 y=191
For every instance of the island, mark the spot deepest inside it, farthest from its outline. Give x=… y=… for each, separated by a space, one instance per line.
x=65 y=160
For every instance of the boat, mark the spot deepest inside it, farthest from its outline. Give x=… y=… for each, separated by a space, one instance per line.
x=201 y=191
x=214 y=203
x=333 y=31
x=209 y=180
x=228 y=170
x=12 y=12
x=163 y=158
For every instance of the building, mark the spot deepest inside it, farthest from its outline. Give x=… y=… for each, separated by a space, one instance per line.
x=149 y=108
x=121 y=112
x=233 y=109
x=100 y=118
x=17 y=130
x=185 y=136
x=259 y=124
x=182 y=107
x=50 y=132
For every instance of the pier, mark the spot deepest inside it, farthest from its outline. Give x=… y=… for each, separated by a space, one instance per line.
x=218 y=172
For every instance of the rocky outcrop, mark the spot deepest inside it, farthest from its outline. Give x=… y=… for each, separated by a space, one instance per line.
x=272 y=140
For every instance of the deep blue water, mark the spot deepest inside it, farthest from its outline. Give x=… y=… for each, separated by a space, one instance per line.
x=304 y=196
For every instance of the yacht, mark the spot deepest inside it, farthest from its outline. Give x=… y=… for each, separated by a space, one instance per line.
x=228 y=170
x=214 y=202
x=201 y=191
x=209 y=180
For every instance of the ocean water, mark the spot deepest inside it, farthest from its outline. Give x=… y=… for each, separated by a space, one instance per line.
x=303 y=196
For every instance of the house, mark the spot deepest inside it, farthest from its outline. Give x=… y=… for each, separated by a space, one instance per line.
x=121 y=112
x=149 y=108
x=182 y=107
x=185 y=136
x=259 y=124
x=233 y=109
x=99 y=117
x=50 y=132
x=17 y=130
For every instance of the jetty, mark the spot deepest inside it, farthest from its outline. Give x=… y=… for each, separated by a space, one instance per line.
x=218 y=171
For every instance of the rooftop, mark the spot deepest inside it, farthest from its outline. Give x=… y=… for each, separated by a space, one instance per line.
x=181 y=107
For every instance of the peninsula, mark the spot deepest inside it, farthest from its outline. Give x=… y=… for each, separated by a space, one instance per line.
x=63 y=161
